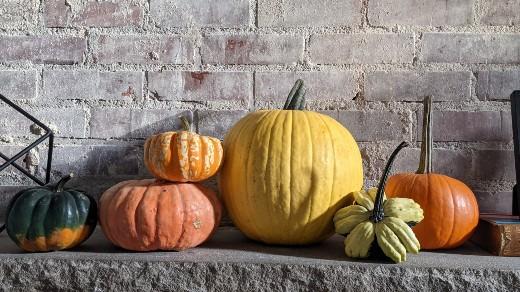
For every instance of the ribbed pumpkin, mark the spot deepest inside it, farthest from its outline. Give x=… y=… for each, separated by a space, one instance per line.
x=287 y=172
x=50 y=217
x=183 y=156
x=145 y=215
x=450 y=208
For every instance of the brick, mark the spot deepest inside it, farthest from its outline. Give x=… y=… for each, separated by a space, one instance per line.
x=283 y=13
x=181 y=13
x=361 y=48
x=42 y=49
x=84 y=160
x=420 y=12
x=453 y=163
x=494 y=165
x=65 y=122
x=218 y=123
x=275 y=86
x=89 y=84
x=415 y=85
x=494 y=202
x=18 y=14
x=133 y=49
x=469 y=126
x=500 y=12
x=134 y=123
x=497 y=84
x=471 y=48
x=373 y=126
x=114 y=13
x=201 y=86
x=252 y=49
x=18 y=84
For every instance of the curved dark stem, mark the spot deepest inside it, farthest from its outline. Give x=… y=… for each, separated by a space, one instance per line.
x=186 y=125
x=59 y=186
x=2 y=228
x=425 y=163
x=296 y=98
x=377 y=213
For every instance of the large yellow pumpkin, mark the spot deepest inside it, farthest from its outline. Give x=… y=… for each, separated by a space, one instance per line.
x=286 y=172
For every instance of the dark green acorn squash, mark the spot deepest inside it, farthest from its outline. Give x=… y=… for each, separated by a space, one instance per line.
x=50 y=217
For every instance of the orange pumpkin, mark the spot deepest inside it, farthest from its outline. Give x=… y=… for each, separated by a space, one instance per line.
x=145 y=215
x=183 y=156
x=450 y=209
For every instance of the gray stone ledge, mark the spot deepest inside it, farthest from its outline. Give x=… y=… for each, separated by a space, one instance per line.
x=231 y=262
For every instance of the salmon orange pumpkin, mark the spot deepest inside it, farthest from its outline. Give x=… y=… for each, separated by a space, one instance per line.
x=146 y=215
x=183 y=156
x=286 y=172
x=450 y=208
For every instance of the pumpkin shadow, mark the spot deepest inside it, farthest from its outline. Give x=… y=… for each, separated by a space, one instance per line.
x=332 y=249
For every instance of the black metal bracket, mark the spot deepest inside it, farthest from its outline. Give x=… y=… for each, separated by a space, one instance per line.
x=515 y=114
x=48 y=134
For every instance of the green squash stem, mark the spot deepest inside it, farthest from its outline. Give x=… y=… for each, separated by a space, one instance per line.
x=425 y=163
x=59 y=186
x=186 y=125
x=296 y=98
x=377 y=213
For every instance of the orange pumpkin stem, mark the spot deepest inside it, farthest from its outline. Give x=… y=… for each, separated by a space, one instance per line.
x=377 y=213
x=425 y=163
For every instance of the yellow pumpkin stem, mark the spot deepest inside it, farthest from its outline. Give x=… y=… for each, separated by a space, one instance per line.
x=425 y=163
x=377 y=213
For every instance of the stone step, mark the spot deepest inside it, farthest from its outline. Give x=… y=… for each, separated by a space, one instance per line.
x=231 y=262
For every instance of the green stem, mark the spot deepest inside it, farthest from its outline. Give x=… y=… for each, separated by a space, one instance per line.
x=425 y=163
x=296 y=98
x=186 y=125
x=59 y=186
x=377 y=213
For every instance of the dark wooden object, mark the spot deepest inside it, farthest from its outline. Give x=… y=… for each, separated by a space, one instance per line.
x=515 y=112
x=500 y=234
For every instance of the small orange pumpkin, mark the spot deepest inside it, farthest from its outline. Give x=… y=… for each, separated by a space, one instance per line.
x=450 y=208
x=145 y=215
x=183 y=156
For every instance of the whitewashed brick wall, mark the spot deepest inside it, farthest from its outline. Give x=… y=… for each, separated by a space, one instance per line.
x=106 y=74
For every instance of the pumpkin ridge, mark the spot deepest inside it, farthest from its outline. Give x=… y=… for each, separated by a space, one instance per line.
x=173 y=168
x=452 y=211
x=250 y=198
x=156 y=239
x=306 y=114
x=147 y=235
x=35 y=219
x=124 y=209
x=231 y=138
x=335 y=164
x=290 y=176
x=449 y=242
x=183 y=208
x=269 y=131
x=205 y=150
x=18 y=225
x=108 y=197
